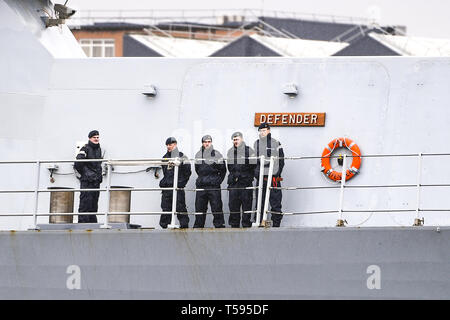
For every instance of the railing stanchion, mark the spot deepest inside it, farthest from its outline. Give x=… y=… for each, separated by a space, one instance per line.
x=108 y=196
x=341 y=222
x=417 y=221
x=36 y=196
x=260 y=190
x=269 y=186
x=173 y=224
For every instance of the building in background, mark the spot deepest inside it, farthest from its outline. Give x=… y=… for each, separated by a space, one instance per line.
x=104 y=39
x=245 y=35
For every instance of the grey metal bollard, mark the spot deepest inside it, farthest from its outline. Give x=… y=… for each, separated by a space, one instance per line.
x=61 y=202
x=119 y=201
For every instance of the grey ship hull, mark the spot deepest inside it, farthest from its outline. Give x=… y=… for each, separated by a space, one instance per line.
x=285 y=263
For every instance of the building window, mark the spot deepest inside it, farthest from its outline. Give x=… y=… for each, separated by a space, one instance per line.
x=98 y=47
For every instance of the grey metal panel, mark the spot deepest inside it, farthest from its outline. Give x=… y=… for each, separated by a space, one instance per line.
x=134 y=48
x=286 y=263
x=245 y=47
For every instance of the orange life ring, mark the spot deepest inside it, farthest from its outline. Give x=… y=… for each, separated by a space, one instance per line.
x=339 y=143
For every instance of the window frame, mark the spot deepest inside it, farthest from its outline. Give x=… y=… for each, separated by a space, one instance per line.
x=88 y=43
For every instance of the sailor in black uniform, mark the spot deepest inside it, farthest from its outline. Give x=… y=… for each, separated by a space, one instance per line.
x=211 y=171
x=90 y=177
x=241 y=174
x=184 y=172
x=268 y=146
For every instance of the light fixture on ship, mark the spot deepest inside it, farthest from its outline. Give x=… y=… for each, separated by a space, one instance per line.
x=290 y=89
x=61 y=13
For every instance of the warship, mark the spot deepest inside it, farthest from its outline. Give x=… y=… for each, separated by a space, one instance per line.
x=383 y=234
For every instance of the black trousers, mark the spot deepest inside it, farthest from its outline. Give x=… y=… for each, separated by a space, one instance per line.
x=214 y=198
x=88 y=201
x=166 y=205
x=274 y=201
x=240 y=199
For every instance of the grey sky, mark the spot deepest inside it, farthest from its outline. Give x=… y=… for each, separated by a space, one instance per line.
x=423 y=18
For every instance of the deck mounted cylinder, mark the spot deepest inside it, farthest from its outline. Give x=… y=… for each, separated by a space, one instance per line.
x=119 y=201
x=61 y=202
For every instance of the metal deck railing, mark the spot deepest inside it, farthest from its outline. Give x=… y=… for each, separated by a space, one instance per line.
x=262 y=209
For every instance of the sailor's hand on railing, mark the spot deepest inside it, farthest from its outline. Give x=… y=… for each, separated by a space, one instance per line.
x=173 y=163
x=105 y=169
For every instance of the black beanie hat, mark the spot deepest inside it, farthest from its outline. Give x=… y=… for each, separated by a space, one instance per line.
x=93 y=133
x=236 y=134
x=263 y=125
x=170 y=140
x=207 y=137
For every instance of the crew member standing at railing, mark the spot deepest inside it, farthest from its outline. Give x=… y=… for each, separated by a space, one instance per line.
x=211 y=171
x=184 y=173
x=268 y=146
x=90 y=174
x=241 y=174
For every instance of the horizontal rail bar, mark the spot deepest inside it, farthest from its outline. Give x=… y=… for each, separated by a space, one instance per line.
x=17 y=191
x=305 y=212
x=210 y=213
x=225 y=189
x=112 y=213
x=382 y=210
x=352 y=156
x=382 y=186
x=44 y=214
x=111 y=189
x=355 y=211
x=347 y=186
x=217 y=189
x=86 y=190
x=305 y=188
x=165 y=160
x=50 y=161
x=199 y=213
x=435 y=185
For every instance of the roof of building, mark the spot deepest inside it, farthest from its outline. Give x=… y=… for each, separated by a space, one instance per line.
x=196 y=25
x=367 y=46
x=300 y=47
x=312 y=30
x=110 y=26
x=246 y=46
x=282 y=37
x=135 y=48
x=415 y=46
x=179 y=47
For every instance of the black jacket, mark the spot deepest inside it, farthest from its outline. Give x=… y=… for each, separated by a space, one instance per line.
x=90 y=171
x=184 y=171
x=267 y=147
x=211 y=171
x=241 y=169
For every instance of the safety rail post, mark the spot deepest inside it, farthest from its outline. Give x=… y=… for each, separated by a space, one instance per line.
x=417 y=221
x=172 y=224
x=269 y=186
x=341 y=222
x=108 y=196
x=260 y=190
x=36 y=196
